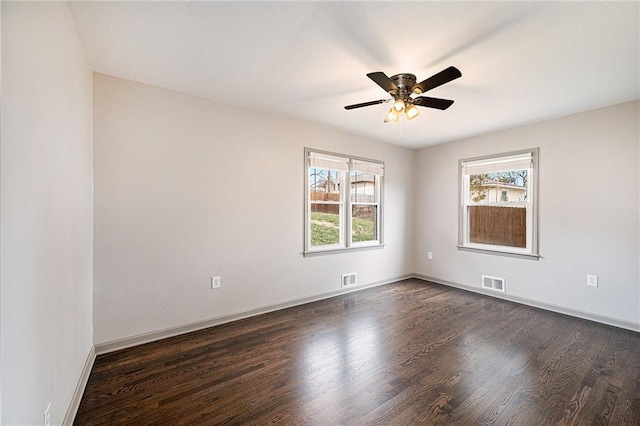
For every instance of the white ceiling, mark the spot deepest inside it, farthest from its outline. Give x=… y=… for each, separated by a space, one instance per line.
x=520 y=61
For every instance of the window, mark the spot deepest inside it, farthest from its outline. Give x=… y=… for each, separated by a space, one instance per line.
x=343 y=202
x=497 y=203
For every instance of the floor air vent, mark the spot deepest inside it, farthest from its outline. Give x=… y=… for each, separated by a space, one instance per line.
x=348 y=279
x=493 y=283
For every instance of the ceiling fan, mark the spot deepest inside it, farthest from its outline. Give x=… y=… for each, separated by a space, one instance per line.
x=406 y=93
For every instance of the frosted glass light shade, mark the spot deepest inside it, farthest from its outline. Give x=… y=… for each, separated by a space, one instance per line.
x=412 y=112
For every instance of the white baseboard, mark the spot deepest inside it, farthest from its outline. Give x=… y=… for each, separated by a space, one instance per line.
x=115 y=345
x=72 y=410
x=616 y=322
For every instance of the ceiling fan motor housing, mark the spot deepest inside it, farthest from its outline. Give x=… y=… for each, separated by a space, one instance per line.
x=405 y=83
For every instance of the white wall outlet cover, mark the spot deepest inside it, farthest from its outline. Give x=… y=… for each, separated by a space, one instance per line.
x=592 y=280
x=215 y=282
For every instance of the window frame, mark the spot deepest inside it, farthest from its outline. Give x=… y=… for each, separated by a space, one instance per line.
x=346 y=244
x=352 y=203
x=531 y=205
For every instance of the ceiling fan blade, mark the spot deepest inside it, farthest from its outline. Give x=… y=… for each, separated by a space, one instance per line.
x=439 y=79
x=437 y=103
x=383 y=81
x=364 y=104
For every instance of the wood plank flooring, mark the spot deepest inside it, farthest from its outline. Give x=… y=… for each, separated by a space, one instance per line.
x=411 y=352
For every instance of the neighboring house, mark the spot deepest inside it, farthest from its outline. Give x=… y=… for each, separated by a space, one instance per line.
x=501 y=192
x=363 y=190
x=326 y=186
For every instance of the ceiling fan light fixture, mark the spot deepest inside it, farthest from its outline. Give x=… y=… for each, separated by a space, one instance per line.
x=398 y=106
x=417 y=91
x=392 y=116
x=412 y=112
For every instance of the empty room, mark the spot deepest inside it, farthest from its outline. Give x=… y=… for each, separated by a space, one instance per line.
x=331 y=213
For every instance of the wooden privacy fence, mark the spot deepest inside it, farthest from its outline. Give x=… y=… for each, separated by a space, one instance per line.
x=325 y=196
x=502 y=226
x=365 y=212
x=325 y=208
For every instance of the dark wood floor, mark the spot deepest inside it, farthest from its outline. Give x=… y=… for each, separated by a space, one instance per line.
x=405 y=353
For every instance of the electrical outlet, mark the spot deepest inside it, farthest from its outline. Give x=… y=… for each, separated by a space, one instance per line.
x=430 y=255
x=46 y=416
x=215 y=282
x=592 y=280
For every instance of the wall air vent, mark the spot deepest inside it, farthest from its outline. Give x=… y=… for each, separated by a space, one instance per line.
x=493 y=283
x=349 y=279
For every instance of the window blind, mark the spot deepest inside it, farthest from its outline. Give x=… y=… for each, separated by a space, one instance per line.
x=495 y=165
x=329 y=162
x=367 y=167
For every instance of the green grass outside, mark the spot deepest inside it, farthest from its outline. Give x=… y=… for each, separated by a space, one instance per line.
x=362 y=230
x=325 y=229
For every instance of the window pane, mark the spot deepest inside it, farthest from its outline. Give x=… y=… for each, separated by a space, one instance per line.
x=324 y=194
x=501 y=187
x=363 y=188
x=364 y=223
x=324 y=185
x=325 y=224
x=497 y=225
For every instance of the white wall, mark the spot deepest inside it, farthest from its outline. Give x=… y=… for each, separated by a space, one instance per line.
x=46 y=213
x=588 y=214
x=186 y=188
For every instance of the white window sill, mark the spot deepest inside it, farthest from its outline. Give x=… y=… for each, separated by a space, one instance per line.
x=484 y=250
x=321 y=252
